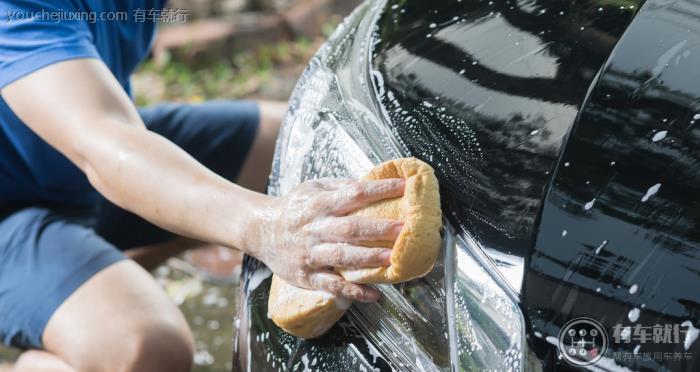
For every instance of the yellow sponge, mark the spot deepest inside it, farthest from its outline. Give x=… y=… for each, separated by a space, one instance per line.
x=308 y=314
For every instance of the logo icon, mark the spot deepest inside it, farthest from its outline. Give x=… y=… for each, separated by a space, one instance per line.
x=583 y=341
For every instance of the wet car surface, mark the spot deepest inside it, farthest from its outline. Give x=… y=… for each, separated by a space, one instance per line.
x=565 y=138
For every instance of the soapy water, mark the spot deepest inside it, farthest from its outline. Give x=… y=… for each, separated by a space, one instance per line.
x=589 y=204
x=601 y=246
x=633 y=315
x=409 y=325
x=651 y=192
x=691 y=334
x=331 y=142
x=658 y=136
x=342 y=139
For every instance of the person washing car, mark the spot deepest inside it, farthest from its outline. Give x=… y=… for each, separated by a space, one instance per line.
x=88 y=181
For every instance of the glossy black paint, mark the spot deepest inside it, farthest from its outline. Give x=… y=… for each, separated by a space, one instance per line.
x=495 y=94
x=494 y=87
x=639 y=128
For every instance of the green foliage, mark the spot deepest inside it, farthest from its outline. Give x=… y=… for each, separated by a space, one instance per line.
x=237 y=75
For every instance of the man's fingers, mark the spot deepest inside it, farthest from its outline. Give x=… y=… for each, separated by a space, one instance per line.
x=331 y=282
x=362 y=193
x=350 y=229
x=346 y=255
x=329 y=184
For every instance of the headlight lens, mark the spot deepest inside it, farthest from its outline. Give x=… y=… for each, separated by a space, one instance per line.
x=462 y=314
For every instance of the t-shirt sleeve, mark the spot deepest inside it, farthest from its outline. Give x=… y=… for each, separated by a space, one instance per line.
x=35 y=34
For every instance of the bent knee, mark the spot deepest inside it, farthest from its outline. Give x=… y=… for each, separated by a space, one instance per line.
x=153 y=347
x=161 y=347
x=120 y=320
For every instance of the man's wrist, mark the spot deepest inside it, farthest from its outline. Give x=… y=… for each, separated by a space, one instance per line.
x=253 y=221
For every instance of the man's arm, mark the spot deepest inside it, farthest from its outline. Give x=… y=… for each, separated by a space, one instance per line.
x=80 y=109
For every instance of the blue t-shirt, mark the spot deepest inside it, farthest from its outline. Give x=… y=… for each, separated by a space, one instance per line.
x=35 y=34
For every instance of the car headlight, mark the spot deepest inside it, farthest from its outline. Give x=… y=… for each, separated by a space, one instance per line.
x=462 y=314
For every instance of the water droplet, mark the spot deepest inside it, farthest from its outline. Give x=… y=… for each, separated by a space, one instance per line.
x=600 y=9
x=612 y=163
x=634 y=288
x=432 y=25
x=534 y=132
x=601 y=246
x=461 y=72
x=633 y=315
x=566 y=164
x=203 y=357
x=589 y=205
x=636 y=349
x=625 y=333
x=690 y=335
x=597 y=289
x=213 y=324
x=474 y=63
x=650 y=192
x=696 y=117
x=659 y=136
x=429 y=36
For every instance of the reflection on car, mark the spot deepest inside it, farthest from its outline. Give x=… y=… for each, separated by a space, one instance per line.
x=565 y=139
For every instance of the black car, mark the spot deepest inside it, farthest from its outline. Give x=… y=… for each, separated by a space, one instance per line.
x=566 y=139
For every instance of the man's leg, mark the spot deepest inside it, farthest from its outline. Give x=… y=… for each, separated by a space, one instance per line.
x=257 y=166
x=120 y=320
x=38 y=360
x=72 y=297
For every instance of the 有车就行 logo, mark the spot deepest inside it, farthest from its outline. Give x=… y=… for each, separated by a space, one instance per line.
x=582 y=341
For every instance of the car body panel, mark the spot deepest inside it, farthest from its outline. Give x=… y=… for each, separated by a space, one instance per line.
x=503 y=99
x=619 y=236
x=488 y=91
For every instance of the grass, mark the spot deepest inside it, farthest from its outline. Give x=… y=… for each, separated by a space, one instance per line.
x=240 y=75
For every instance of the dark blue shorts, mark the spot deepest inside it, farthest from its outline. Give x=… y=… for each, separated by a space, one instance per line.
x=47 y=252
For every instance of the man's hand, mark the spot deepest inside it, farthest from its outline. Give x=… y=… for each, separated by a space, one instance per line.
x=306 y=233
